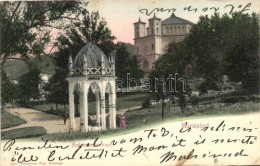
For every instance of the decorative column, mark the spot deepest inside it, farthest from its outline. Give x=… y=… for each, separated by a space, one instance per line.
x=72 y=107
x=113 y=107
x=110 y=107
x=97 y=110
x=85 y=107
x=103 y=111
x=81 y=111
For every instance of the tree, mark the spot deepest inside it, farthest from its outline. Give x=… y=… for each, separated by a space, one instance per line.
x=57 y=88
x=28 y=24
x=8 y=93
x=28 y=86
x=88 y=28
x=242 y=55
x=226 y=45
x=125 y=63
x=167 y=68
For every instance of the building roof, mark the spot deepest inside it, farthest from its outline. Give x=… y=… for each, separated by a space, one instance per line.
x=154 y=17
x=139 y=21
x=93 y=56
x=176 y=20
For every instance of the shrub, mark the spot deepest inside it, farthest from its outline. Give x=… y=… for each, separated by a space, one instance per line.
x=237 y=99
x=194 y=101
x=26 y=132
x=146 y=103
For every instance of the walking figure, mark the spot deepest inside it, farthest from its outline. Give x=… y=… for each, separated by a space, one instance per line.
x=89 y=121
x=65 y=118
x=122 y=121
x=117 y=121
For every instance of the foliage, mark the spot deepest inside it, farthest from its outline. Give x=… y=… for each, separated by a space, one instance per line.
x=194 y=101
x=26 y=132
x=146 y=102
x=225 y=45
x=57 y=87
x=28 y=86
x=29 y=24
x=166 y=69
x=237 y=99
x=8 y=93
x=88 y=27
x=125 y=63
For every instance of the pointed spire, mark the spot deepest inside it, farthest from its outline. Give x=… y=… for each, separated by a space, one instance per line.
x=70 y=66
x=70 y=59
x=113 y=62
x=109 y=59
x=84 y=65
x=139 y=19
x=102 y=64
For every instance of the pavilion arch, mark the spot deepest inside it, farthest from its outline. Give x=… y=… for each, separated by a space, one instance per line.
x=92 y=71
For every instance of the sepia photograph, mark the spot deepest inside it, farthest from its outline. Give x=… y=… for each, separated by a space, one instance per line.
x=130 y=83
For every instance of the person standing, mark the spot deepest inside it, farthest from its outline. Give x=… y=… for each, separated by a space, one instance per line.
x=65 y=118
x=89 y=121
x=123 y=122
x=117 y=120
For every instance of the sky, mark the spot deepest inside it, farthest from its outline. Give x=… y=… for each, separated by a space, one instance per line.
x=121 y=14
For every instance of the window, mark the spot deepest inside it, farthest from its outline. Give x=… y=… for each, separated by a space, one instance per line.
x=152 y=46
x=175 y=30
x=137 y=49
x=183 y=29
x=157 y=30
x=171 y=30
x=145 y=65
x=167 y=30
x=137 y=34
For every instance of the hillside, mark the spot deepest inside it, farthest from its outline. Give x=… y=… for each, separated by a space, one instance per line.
x=16 y=68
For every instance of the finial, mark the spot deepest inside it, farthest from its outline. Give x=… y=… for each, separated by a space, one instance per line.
x=70 y=65
x=154 y=15
x=173 y=15
x=102 y=64
x=70 y=59
x=139 y=19
x=84 y=65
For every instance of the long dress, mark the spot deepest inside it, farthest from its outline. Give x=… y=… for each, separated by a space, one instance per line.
x=122 y=122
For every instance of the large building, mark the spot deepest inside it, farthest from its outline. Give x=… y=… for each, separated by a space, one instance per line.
x=151 y=42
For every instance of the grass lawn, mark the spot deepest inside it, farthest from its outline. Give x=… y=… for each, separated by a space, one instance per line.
x=25 y=132
x=123 y=102
x=135 y=119
x=9 y=120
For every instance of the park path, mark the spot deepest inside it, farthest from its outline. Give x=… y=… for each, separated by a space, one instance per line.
x=52 y=123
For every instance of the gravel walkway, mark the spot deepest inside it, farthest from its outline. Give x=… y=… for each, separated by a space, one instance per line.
x=52 y=123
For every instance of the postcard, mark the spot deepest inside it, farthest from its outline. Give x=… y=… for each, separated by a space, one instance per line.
x=133 y=83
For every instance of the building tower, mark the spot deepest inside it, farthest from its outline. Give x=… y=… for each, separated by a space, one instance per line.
x=154 y=26
x=139 y=28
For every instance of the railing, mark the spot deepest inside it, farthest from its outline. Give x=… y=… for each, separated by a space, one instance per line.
x=91 y=71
